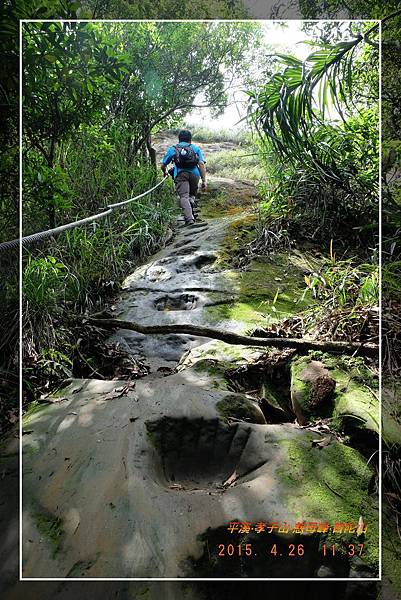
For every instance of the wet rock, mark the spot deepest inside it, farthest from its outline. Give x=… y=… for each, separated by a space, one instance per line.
x=325 y=571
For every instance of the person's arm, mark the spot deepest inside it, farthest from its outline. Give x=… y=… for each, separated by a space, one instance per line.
x=166 y=160
x=202 y=169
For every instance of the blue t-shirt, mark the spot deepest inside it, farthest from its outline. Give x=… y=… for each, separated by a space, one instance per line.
x=168 y=157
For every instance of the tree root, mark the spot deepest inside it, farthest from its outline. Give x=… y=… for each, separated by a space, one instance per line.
x=366 y=349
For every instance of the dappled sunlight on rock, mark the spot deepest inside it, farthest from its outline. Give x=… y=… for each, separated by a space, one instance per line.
x=140 y=479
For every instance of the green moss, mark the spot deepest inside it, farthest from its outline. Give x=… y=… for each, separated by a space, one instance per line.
x=279 y=285
x=239 y=407
x=33 y=408
x=331 y=484
x=209 y=365
x=240 y=232
x=245 y=312
x=220 y=205
x=268 y=292
x=391 y=430
x=215 y=370
x=356 y=407
x=355 y=404
x=145 y=595
x=30 y=450
x=274 y=396
x=50 y=528
x=355 y=366
x=216 y=357
x=300 y=390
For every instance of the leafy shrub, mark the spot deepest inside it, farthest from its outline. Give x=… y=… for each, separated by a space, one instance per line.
x=238 y=164
x=342 y=283
x=206 y=135
x=44 y=283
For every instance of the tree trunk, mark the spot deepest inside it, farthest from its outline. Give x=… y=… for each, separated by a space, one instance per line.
x=51 y=209
x=151 y=152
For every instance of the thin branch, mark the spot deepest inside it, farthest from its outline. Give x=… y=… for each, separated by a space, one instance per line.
x=229 y=337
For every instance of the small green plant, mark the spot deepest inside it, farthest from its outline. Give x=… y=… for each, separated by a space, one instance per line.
x=51 y=529
x=54 y=364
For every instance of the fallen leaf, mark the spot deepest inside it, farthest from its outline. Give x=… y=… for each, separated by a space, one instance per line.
x=176 y=486
x=322 y=442
x=119 y=392
x=233 y=477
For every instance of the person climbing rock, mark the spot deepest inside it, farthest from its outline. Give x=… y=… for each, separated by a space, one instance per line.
x=189 y=167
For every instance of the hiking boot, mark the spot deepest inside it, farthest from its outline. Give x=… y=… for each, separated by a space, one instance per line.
x=190 y=222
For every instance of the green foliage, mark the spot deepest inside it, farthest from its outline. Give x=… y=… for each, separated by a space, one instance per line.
x=243 y=163
x=51 y=528
x=204 y=134
x=54 y=364
x=93 y=95
x=44 y=282
x=108 y=85
x=341 y=283
x=291 y=109
x=318 y=124
x=131 y=9
x=391 y=279
x=67 y=71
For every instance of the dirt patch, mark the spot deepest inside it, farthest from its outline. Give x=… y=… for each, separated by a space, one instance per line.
x=322 y=386
x=322 y=390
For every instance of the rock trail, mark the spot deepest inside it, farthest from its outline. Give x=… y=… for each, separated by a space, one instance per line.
x=145 y=483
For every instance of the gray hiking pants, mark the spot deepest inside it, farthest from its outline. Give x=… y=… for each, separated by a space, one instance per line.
x=186 y=185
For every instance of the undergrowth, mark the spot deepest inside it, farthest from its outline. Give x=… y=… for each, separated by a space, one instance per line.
x=242 y=163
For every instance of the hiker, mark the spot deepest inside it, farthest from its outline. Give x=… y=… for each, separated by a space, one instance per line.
x=189 y=167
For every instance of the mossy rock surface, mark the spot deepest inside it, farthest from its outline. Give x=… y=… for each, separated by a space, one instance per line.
x=269 y=290
x=33 y=408
x=331 y=484
x=215 y=357
x=312 y=389
x=51 y=529
x=240 y=407
x=354 y=405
